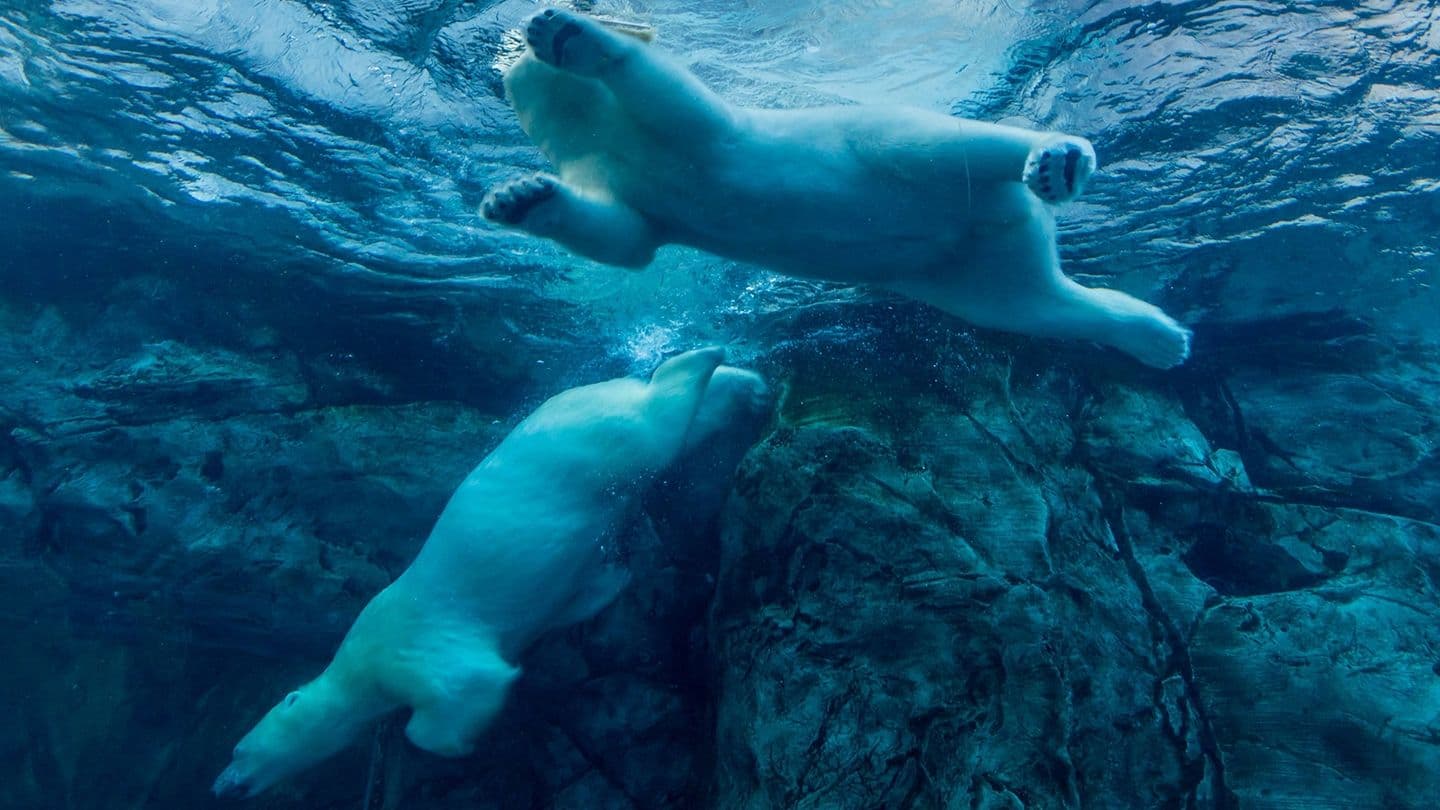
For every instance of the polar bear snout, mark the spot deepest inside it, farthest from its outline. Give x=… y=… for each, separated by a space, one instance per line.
x=232 y=784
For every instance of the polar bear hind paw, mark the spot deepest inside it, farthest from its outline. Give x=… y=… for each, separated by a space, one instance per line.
x=568 y=41
x=1166 y=345
x=1058 y=169
x=512 y=202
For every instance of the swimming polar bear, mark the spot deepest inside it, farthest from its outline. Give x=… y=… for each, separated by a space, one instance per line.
x=516 y=552
x=952 y=212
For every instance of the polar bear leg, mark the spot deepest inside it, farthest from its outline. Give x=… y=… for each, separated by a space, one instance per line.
x=1133 y=326
x=1053 y=165
x=962 y=153
x=465 y=690
x=442 y=731
x=676 y=389
x=652 y=90
x=604 y=230
x=733 y=395
x=980 y=150
x=1059 y=308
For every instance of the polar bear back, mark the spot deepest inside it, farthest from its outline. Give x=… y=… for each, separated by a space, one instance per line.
x=530 y=521
x=516 y=530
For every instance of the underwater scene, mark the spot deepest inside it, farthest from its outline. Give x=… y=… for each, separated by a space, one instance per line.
x=719 y=404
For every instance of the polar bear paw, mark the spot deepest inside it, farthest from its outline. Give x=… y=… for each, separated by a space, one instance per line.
x=569 y=42
x=512 y=202
x=1058 y=169
x=1163 y=343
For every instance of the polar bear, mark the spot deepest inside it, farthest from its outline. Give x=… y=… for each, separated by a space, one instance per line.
x=734 y=397
x=952 y=212
x=516 y=552
x=691 y=496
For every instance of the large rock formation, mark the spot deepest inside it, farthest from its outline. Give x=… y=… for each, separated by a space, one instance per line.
x=1080 y=587
x=986 y=573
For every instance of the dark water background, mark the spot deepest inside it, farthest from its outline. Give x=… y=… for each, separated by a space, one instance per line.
x=246 y=309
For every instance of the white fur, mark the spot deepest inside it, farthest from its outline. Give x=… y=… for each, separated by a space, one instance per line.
x=734 y=397
x=516 y=552
x=928 y=205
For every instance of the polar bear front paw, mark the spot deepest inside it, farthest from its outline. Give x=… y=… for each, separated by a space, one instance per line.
x=511 y=203
x=1058 y=170
x=569 y=42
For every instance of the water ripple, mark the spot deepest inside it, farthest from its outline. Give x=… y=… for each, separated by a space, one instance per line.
x=1259 y=158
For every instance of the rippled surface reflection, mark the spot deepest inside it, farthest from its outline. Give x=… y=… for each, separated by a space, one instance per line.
x=1259 y=158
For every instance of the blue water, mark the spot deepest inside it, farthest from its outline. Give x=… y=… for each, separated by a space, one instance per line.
x=1273 y=155
x=278 y=176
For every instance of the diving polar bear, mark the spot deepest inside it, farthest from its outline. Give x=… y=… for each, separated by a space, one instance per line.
x=951 y=212
x=516 y=552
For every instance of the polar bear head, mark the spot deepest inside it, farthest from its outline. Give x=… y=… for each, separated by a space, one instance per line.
x=307 y=726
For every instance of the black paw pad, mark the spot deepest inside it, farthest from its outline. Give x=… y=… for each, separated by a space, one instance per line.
x=511 y=202
x=548 y=32
x=567 y=32
x=1072 y=161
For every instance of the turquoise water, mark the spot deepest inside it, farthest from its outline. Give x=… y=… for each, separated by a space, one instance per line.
x=254 y=334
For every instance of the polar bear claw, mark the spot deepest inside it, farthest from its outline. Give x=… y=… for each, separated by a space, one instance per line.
x=566 y=41
x=512 y=202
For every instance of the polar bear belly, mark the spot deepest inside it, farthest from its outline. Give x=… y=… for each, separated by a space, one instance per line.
x=792 y=190
x=805 y=211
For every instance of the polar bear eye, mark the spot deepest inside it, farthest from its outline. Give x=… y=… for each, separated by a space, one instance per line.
x=291 y=698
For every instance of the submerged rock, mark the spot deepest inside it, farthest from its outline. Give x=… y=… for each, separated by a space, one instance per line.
x=1060 y=592
x=907 y=625
x=949 y=574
